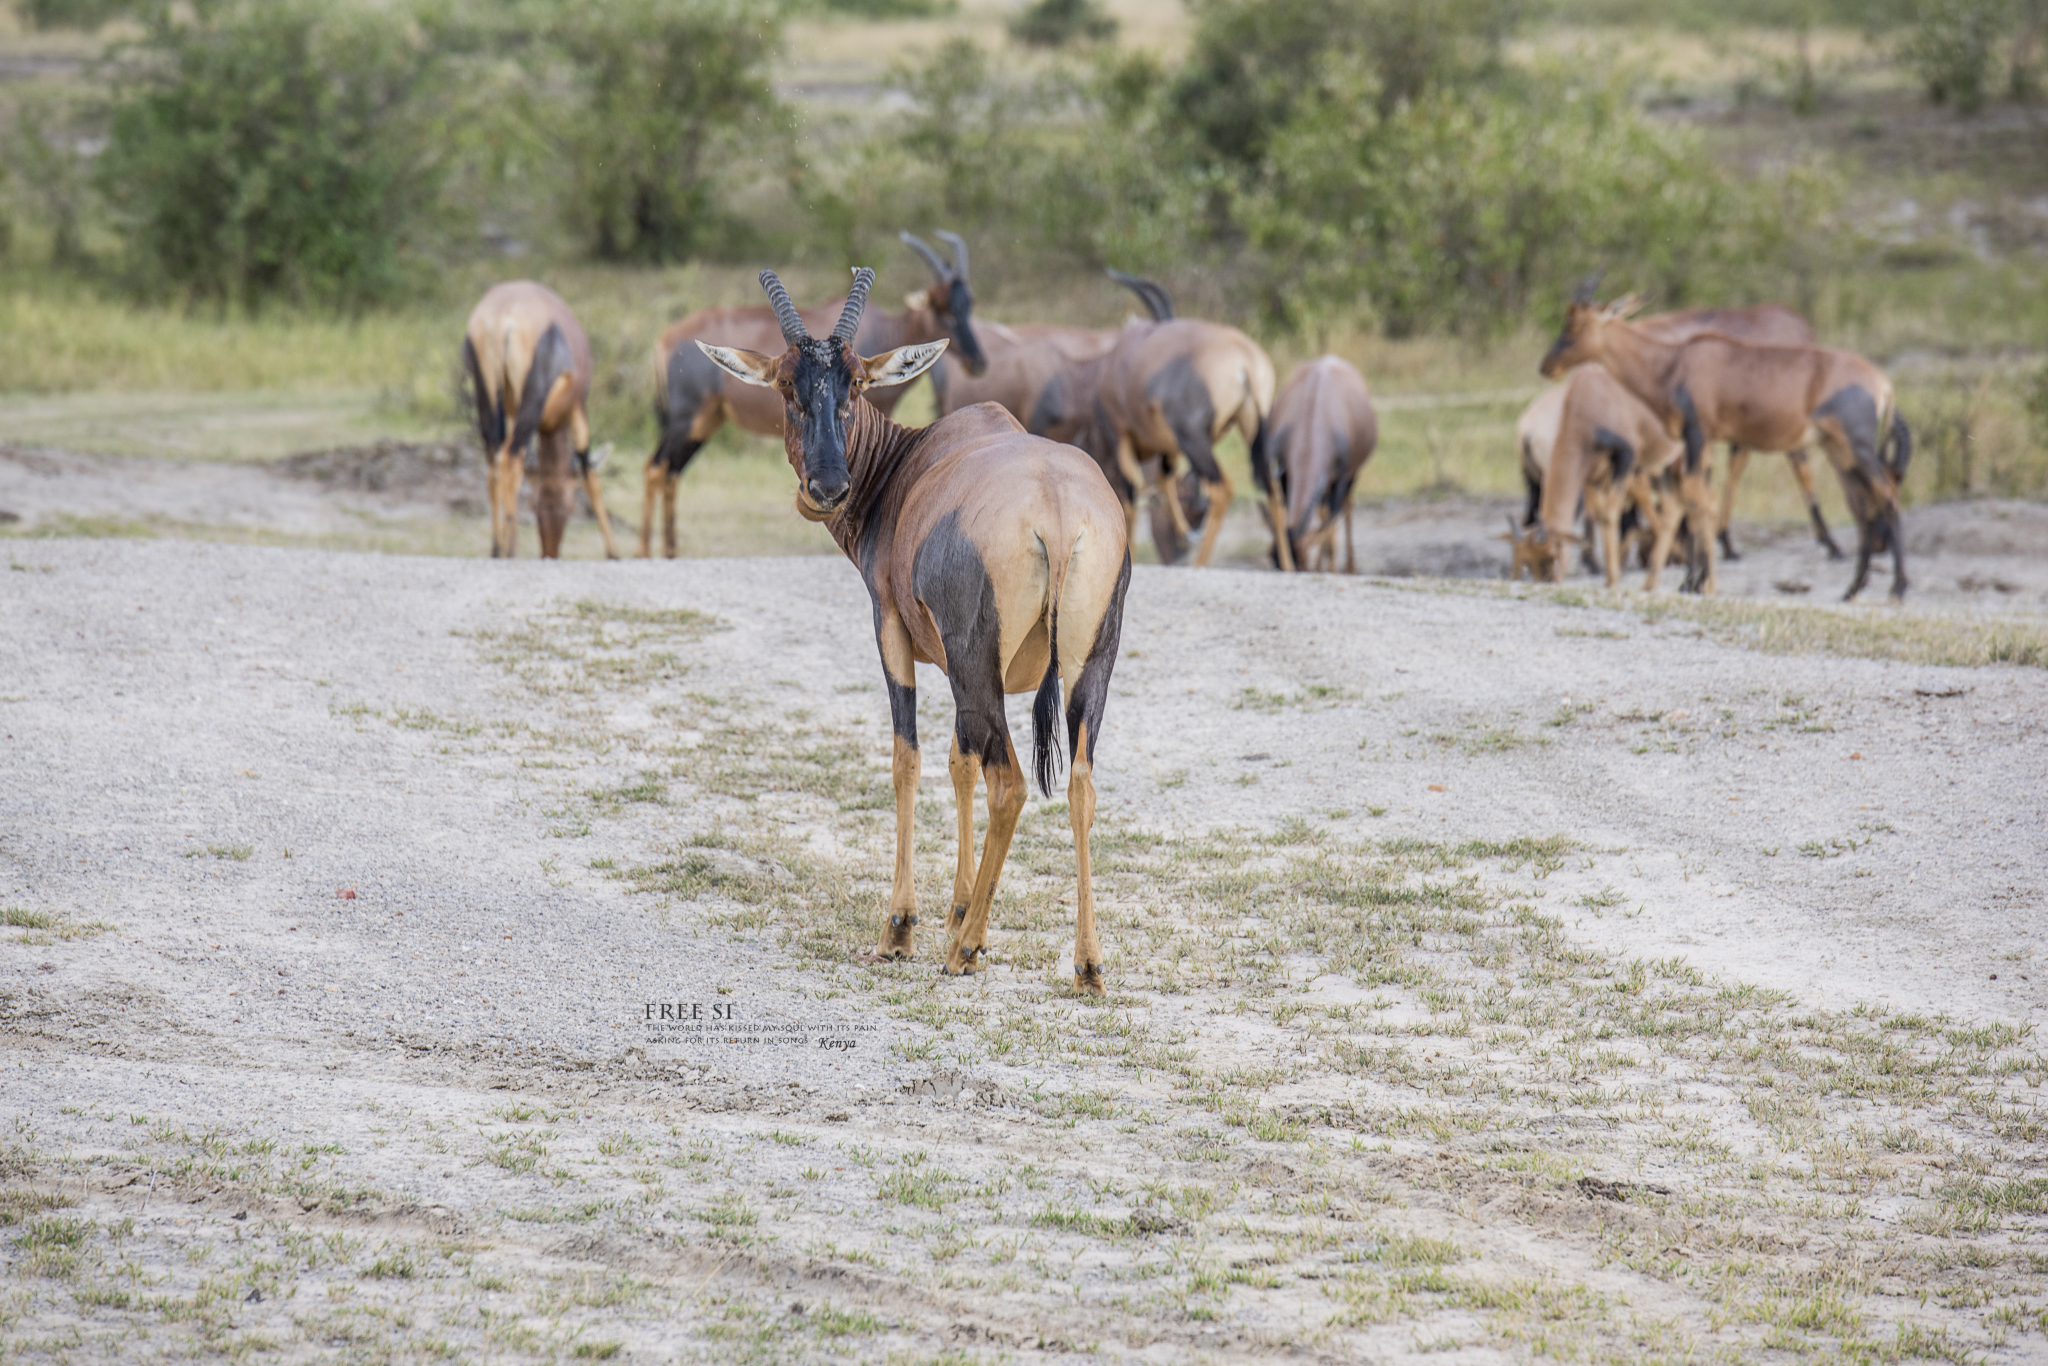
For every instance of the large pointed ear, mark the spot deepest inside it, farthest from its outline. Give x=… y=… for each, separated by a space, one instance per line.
x=1627 y=306
x=750 y=366
x=904 y=364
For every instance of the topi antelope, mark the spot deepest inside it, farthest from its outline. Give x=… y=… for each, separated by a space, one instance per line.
x=528 y=363
x=1610 y=451
x=1761 y=325
x=1026 y=367
x=693 y=401
x=1535 y=435
x=1323 y=430
x=1169 y=390
x=996 y=555
x=1767 y=398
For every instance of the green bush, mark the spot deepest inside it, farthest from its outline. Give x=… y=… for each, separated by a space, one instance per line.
x=274 y=148
x=1952 y=45
x=48 y=178
x=1056 y=23
x=85 y=14
x=1464 y=209
x=673 y=102
x=1254 y=61
x=890 y=9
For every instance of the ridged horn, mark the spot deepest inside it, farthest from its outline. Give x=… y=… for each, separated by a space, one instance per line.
x=793 y=330
x=931 y=258
x=1151 y=295
x=856 y=304
x=1588 y=287
x=959 y=245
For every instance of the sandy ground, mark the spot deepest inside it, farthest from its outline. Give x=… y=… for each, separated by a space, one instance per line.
x=346 y=884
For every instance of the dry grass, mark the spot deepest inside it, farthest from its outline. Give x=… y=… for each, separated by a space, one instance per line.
x=1867 y=633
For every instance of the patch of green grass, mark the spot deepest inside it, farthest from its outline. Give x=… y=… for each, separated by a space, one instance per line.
x=240 y=853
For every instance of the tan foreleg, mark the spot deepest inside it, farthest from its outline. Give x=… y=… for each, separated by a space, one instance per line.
x=494 y=480
x=1169 y=489
x=650 y=496
x=899 y=930
x=1081 y=813
x=1283 y=546
x=899 y=664
x=515 y=479
x=1666 y=520
x=668 y=514
x=1699 y=503
x=1005 y=804
x=1350 y=550
x=604 y=521
x=966 y=771
x=1738 y=463
x=1127 y=461
x=1219 y=504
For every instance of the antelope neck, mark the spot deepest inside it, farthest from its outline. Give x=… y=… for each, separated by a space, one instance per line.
x=1643 y=365
x=875 y=450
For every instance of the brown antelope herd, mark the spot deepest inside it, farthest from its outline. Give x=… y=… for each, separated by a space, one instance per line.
x=996 y=543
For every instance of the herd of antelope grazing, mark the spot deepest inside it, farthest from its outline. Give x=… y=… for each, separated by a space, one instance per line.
x=996 y=542
x=1622 y=437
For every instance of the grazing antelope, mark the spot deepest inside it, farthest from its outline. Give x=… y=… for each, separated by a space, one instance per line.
x=693 y=401
x=1323 y=430
x=1535 y=435
x=1761 y=325
x=1767 y=398
x=1026 y=369
x=1169 y=390
x=528 y=363
x=1611 y=451
x=996 y=555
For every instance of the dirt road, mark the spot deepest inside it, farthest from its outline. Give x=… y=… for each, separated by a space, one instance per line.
x=1491 y=977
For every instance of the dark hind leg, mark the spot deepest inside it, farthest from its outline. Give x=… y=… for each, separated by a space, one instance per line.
x=1857 y=492
x=1896 y=533
x=1802 y=470
x=981 y=738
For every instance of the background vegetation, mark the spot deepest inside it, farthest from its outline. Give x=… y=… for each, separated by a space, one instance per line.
x=237 y=194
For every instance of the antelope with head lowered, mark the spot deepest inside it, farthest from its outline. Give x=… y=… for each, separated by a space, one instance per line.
x=1713 y=388
x=528 y=364
x=994 y=554
x=1609 y=451
x=1760 y=325
x=1169 y=390
x=693 y=400
x=1323 y=430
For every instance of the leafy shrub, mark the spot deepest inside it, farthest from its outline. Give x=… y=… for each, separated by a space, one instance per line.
x=273 y=148
x=1254 y=61
x=1952 y=45
x=670 y=94
x=890 y=9
x=48 y=178
x=85 y=14
x=1056 y=23
x=1464 y=208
